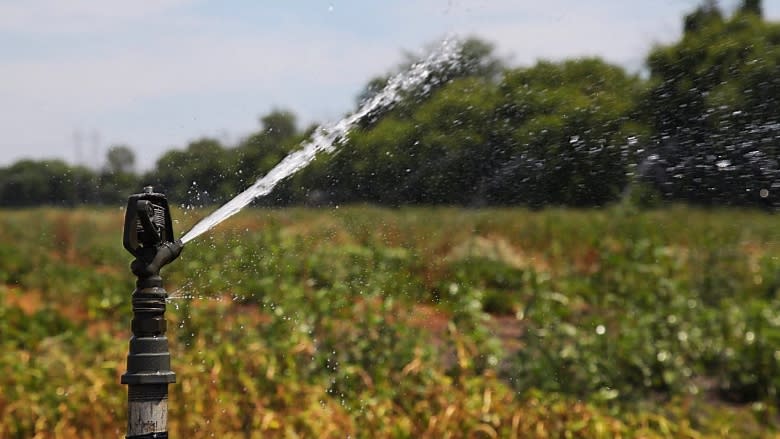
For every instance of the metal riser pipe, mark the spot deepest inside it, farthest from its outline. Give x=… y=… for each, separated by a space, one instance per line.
x=147 y=411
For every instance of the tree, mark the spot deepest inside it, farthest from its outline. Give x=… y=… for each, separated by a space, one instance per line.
x=714 y=103
x=475 y=58
x=279 y=125
x=570 y=133
x=434 y=151
x=557 y=133
x=202 y=174
x=52 y=182
x=118 y=177
x=752 y=7
x=120 y=159
x=704 y=15
x=262 y=150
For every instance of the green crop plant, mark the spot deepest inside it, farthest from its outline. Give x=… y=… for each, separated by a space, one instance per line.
x=412 y=322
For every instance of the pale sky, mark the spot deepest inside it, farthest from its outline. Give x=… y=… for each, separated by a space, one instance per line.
x=78 y=76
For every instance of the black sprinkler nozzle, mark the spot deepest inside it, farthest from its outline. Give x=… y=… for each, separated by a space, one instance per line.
x=147 y=222
x=148 y=233
x=165 y=253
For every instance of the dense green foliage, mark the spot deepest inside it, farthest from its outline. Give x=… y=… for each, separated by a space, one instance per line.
x=406 y=323
x=477 y=142
x=704 y=127
x=713 y=108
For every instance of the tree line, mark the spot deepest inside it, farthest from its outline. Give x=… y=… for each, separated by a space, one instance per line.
x=701 y=126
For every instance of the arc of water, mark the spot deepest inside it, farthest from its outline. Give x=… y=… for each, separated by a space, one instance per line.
x=325 y=138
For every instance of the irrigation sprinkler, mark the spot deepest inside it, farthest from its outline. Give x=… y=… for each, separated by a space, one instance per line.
x=148 y=235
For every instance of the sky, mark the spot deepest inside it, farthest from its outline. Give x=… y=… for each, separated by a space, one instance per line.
x=79 y=76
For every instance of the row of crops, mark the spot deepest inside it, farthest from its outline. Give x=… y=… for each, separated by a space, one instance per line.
x=417 y=322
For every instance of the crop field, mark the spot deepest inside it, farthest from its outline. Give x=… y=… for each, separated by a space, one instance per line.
x=414 y=322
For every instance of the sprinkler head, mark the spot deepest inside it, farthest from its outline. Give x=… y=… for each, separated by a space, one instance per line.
x=148 y=233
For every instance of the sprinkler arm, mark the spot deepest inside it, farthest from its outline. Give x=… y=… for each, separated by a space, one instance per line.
x=149 y=264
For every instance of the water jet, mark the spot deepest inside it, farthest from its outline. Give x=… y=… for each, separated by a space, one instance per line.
x=326 y=137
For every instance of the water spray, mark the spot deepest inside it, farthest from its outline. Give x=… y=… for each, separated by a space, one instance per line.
x=326 y=137
x=148 y=235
